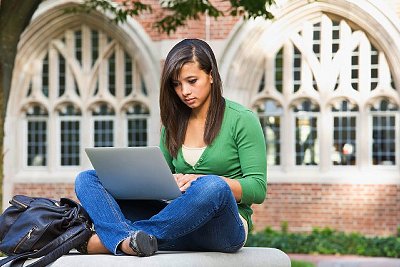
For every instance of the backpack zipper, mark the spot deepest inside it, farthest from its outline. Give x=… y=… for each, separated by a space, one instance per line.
x=15 y=202
x=26 y=237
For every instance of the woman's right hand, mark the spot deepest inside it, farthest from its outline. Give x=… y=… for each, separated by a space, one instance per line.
x=185 y=180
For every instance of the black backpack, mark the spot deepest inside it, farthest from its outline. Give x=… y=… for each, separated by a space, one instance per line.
x=42 y=228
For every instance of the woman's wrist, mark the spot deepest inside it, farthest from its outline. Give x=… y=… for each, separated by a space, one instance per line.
x=235 y=186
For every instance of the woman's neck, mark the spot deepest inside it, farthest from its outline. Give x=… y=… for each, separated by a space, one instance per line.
x=200 y=113
x=198 y=116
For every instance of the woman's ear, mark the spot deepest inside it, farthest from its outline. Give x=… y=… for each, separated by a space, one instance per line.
x=211 y=78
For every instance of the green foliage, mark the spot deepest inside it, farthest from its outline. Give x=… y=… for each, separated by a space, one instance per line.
x=178 y=11
x=182 y=10
x=284 y=227
x=121 y=10
x=326 y=241
x=301 y=264
x=251 y=8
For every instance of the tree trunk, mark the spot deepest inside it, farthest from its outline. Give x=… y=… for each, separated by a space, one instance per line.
x=15 y=16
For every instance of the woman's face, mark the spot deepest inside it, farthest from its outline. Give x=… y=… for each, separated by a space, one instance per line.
x=193 y=86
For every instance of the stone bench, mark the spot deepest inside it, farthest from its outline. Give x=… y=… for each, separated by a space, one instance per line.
x=247 y=256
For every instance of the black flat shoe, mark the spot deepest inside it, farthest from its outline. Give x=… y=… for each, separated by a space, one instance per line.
x=143 y=244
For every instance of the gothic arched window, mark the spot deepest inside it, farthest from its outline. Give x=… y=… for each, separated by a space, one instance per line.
x=80 y=83
x=326 y=77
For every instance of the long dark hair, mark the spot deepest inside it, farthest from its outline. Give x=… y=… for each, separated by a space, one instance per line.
x=174 y=113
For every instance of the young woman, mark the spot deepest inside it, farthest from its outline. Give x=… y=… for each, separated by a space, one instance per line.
x=216 y=150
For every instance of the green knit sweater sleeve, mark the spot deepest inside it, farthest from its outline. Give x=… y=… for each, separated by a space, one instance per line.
x=252 y=153
x=165 y=151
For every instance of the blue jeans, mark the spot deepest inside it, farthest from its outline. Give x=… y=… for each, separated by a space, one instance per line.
x=204 y=218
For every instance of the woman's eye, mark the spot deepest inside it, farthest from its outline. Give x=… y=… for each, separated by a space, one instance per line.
x=175 y=84
x=192 y=81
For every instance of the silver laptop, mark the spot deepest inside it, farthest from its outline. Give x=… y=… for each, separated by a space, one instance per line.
x=134 y=172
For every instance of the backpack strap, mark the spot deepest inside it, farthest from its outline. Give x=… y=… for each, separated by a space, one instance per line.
x=60 y=246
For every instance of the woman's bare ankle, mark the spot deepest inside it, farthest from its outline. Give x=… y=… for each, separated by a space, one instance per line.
x=126 y=248
x=95 y=246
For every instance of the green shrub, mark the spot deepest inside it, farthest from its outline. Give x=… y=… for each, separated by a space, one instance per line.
x=326 y=241
x=302 y=264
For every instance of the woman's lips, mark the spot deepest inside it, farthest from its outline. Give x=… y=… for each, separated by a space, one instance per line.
x=189 y=101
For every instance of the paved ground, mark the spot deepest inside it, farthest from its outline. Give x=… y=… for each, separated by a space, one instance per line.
x=346 y=261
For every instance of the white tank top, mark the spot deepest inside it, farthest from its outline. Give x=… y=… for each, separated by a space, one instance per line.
x=192 y=154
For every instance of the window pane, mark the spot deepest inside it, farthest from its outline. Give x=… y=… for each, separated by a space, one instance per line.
x=103 y=133
x=137 y=132
x=137 y=117
x=306 y=140
x=61 y=75
x=344 y=133
x=143 y=85
x=111 y=74
x=70 y=137
x=279 y=70
x=374 y=67
x=317 y=39
x=270 y=118
x=78 y=46
x=95 y=45
x=262 y=83
x=335 y=37
x=36 y=136
x=296 y=69
x=271 y=127
x=344 y=141
x=70 y=143
x=355 y=68
x=384 y=133
x=45 y=76
x=103 y=126
x=128 y=75
x=37 y=143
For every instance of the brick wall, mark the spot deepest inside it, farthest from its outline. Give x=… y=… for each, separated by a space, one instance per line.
x=55 y=190
x=219 y=29
x=368 y=209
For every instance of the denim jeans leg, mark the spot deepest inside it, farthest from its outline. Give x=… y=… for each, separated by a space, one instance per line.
x=111 y=225
x=223 y=233
x=205 y=218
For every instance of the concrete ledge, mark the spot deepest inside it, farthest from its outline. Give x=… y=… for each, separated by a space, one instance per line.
x=248 y=256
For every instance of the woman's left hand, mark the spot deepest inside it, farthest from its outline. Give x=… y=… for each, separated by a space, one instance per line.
x=185 y=180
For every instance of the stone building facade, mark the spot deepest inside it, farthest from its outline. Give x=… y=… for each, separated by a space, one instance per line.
x=323 y=77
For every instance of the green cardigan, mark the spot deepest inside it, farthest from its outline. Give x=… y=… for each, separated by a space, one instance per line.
x=238 y=152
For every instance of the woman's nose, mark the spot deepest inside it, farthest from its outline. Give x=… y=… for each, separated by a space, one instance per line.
x=186 y=90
